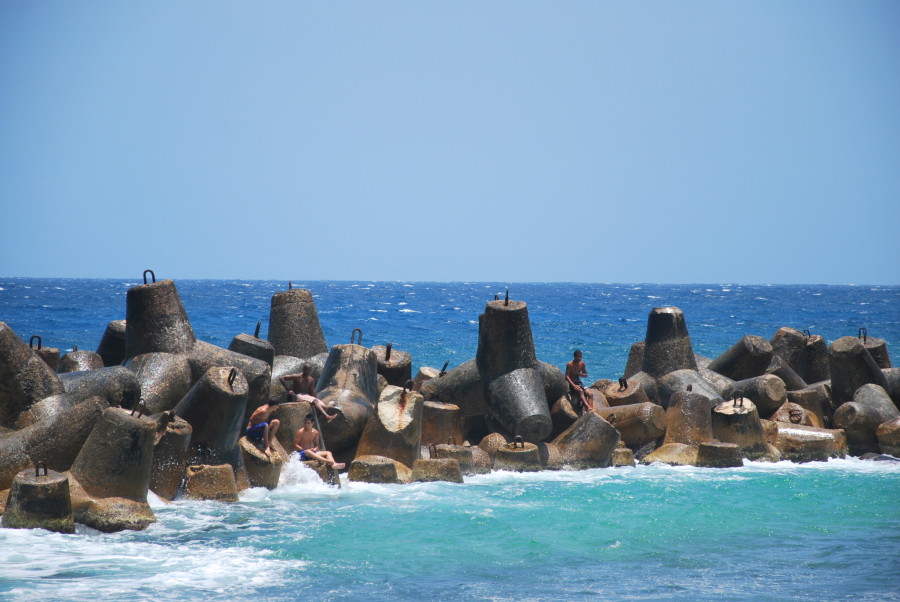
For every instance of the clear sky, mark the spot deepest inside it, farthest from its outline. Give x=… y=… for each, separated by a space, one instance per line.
x=598 y=141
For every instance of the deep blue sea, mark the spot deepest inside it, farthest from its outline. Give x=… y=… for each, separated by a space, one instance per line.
x=766 y=531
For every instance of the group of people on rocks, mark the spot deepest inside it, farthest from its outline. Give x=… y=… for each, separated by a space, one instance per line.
x=261 y=428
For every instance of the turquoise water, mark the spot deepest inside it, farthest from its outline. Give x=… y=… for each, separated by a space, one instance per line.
x=765 y=531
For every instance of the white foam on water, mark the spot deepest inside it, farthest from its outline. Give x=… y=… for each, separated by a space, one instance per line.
x=409 y=311
x=95 y=566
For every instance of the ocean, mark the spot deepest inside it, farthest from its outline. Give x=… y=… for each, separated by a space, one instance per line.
x=765 y=531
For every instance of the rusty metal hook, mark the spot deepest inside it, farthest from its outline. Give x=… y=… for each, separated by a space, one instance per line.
x=38 y=466
x=408 y=385
x=623 y=384
x=231 y=376
x=863 y=334
x=518 y=440
x=139 y=408
x=31 y=341
x=496 y=296
x=256 y=332
x=737 y=401
x=74 y=348
x=806 y=333
x=387 y=352
x=690 y=388
x=506 y=301
x=353 y=334
x=796 y=416
x=444 y=369
x=152 y=275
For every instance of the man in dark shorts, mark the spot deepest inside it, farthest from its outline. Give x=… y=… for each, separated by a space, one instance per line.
x=574 y=371
x=262 y=430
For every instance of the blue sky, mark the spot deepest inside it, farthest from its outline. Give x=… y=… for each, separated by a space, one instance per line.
x=673 y=142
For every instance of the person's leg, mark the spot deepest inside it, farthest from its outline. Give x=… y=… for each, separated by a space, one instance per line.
x=321 y=406
x=589 y=398
x=271 y=431
x=325 y=457
x=317 y=403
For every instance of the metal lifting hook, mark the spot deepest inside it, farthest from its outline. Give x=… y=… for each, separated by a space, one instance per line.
x=518 y=441
x=863 y=334
x=152 y=275
x=38 y=466
x=31 y=341
x=387 y=352
x=353 y=334
x=444 y=369
x=256 y=332
x=231 y=376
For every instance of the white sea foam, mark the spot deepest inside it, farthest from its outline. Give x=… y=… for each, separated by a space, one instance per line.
x=409 y=311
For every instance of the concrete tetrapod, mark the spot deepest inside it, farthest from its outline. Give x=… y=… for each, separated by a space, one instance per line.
x=689 y=419
x=111 y=348
x=852 y=366
x=800 y=443
x=118 y=385
x=39 y=500
x=514 y=388
x=738 y=422
x=441 y=422
x=348 y=386
x=378 y=469
x=294 y=327
x=871 y=406
x=637 y=423
x=780 y=368
x=164 y=379
x=437 y=469
x=111 y=475
x=767 y=392
x=888 y=435
x=394 y=365
x=55 y=440
x=78 y=361
x=667 y=345
x=25 y=378
x=170 y=455
x=253 y=346
x=215 y=407
x=745 y=359
x=155 y=320
x=394 y=429
x=589 y=443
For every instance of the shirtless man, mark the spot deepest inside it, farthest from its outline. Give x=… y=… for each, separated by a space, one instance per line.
x=303 y=387
x=260 y=428
x=307 y=443
x=574 y=371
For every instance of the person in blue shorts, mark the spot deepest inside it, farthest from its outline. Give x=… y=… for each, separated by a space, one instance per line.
x=260 y=428
x=306 y=442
